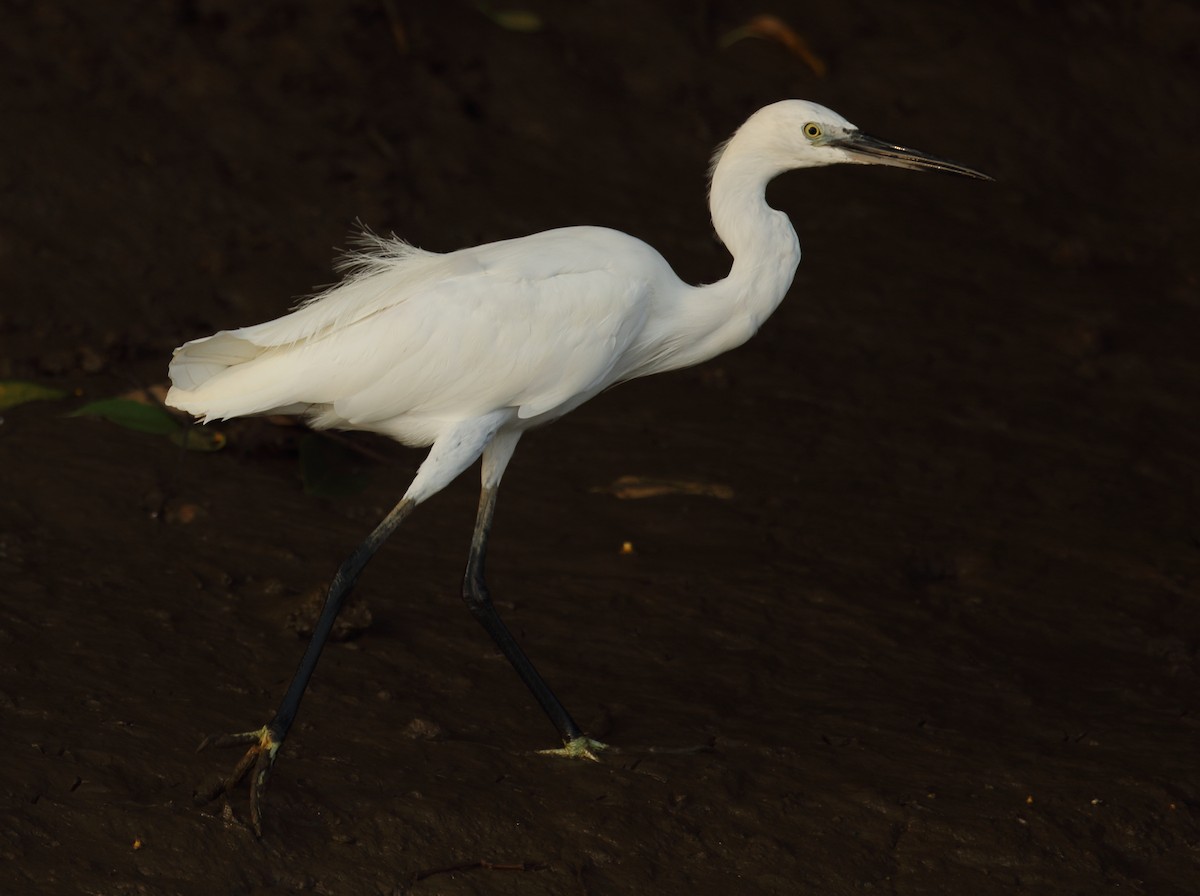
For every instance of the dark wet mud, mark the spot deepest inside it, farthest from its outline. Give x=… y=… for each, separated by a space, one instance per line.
x=930 y=602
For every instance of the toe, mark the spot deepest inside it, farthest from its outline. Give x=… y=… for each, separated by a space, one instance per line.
x=579 y=748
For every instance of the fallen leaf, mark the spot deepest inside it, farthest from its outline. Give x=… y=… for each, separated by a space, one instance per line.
x=633 y=487
x=15 y=392
x=522 y=20
x=132 y=415
x=140 y=411
x=773 y=28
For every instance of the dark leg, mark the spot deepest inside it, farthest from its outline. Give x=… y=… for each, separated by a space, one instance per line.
x=479 y=602
x=265 y=742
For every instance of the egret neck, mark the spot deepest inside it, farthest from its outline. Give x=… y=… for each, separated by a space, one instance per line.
x=723 y=315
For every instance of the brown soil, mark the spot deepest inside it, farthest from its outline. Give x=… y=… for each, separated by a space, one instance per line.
x=932 y=604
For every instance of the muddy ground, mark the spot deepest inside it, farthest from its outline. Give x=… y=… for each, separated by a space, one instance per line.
x=938 y=626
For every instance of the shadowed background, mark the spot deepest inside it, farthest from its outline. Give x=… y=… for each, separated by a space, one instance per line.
x=934 y=607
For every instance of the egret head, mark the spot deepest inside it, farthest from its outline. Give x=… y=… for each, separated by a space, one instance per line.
x=801 y=134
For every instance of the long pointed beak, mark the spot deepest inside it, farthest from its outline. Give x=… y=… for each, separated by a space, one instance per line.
x=867 y=150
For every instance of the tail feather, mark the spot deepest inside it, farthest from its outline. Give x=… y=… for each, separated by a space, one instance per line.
x=213 y=379
x=194 y=364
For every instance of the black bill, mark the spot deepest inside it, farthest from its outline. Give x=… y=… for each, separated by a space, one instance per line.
x=871 y=151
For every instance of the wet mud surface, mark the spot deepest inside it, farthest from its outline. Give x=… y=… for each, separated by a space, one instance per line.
x=930 y=604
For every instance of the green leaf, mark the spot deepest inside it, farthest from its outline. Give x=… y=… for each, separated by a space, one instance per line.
x=15 y=392
x=132 y=415
x=330 y=470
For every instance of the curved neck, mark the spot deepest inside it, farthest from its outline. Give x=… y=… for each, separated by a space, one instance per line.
x=761 y=239
x=693 y=324
x=737 y=197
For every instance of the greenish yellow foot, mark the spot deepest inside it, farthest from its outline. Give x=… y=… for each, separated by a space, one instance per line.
x=264 y=746
x=579 y=748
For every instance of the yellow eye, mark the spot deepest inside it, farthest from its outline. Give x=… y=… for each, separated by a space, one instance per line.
x=812 y=130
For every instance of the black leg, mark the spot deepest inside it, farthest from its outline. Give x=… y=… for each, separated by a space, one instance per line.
x=265 y=742
x=475 y=593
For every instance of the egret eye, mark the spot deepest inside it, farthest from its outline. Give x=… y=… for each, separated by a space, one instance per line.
x=812 y=130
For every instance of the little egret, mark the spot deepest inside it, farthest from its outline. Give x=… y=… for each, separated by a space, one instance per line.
x=464 y=351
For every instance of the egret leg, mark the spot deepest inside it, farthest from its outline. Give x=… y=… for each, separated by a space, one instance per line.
x=479 y=602
x=264 y=743
x=454 y=451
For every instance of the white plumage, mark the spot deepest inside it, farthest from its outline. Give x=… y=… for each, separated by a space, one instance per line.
x=414 y=341
x=465 y=351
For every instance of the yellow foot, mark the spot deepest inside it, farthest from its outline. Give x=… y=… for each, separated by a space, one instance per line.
x=264 y=745
x=579 y=748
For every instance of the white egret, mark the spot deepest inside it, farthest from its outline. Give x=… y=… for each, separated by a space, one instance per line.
x=465 y=351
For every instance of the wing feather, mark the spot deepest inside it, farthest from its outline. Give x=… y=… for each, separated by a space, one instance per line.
x=531 y=324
